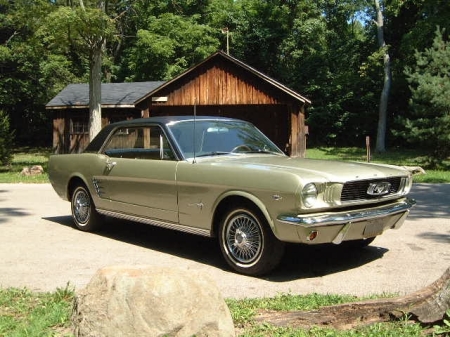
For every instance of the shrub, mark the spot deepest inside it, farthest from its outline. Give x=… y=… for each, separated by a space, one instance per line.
x=6 y=139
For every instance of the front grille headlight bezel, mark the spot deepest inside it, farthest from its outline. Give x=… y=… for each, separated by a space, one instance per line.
x=406 y=185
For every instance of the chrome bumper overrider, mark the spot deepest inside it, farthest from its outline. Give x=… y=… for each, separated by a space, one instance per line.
x=325 y=219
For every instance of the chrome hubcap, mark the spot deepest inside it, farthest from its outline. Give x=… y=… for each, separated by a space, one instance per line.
x=243 y=238
x=81 y=207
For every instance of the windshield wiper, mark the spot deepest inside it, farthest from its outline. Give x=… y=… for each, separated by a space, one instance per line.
x=213 y=153
x=262 y=151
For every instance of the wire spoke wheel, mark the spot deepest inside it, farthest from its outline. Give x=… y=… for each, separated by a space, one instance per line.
x=247 y=242
x=244 y=238
x=84 y=214
x=81 y=206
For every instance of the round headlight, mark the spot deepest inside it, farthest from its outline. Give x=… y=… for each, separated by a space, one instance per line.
x=309 y=195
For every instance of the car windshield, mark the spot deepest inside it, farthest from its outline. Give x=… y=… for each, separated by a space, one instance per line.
x=218 y=137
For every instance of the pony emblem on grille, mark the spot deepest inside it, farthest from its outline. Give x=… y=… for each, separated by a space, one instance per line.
x=379 y=188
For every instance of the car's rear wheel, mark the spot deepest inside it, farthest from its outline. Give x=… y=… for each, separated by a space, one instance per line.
x=247 y=243
x=84 y=214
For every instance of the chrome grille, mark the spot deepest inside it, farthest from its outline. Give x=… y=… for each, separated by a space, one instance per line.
x=357 y=190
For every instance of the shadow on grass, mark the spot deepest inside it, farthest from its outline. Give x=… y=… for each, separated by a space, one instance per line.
x=350 y=153
x=392 y=156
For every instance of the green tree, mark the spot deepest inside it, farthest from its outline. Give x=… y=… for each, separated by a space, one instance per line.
x=410 y=26
x=320 y=57
x=23 y=88
x=86 y=28
x=429 y=125
x=6 y=139
x=168 y=44
x=258 y=29
x=322 y=49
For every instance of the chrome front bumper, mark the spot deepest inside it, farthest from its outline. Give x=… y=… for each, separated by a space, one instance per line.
x=314 y=220
x=340 y=226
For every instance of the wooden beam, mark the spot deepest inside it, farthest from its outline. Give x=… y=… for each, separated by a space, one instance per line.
x=298 y=131
x=58 y=132
x=293 y=144
x=427 y=305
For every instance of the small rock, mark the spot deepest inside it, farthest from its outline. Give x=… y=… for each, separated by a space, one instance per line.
x=32 y=171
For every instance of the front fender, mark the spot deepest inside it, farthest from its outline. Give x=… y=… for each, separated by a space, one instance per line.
x=251 y=197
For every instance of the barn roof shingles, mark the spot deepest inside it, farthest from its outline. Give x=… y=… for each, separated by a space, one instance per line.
x=113 y=94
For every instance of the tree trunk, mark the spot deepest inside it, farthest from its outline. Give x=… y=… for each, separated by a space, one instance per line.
x=95 y=83
x=382 y=117
x=95 y=93
x=427 y=305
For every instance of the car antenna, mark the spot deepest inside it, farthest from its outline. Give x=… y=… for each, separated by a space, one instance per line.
x=195 y=122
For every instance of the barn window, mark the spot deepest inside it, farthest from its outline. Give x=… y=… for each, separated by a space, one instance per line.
x=78 y=125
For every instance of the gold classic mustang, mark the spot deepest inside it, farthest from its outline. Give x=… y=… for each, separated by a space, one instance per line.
x=223 y=178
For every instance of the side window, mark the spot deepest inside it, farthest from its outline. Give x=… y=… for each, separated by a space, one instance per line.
x=79 y=126
x=147 y=142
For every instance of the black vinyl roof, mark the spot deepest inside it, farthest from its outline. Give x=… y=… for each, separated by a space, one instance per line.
x=113 y=95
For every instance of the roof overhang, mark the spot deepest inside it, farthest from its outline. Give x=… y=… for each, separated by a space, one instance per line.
x=119 y=106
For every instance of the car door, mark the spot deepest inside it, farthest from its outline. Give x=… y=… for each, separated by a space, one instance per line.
x=140 y=172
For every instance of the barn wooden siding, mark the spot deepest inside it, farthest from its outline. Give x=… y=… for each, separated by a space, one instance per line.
x=219 y=87
x=219 y=83
x=66 y=141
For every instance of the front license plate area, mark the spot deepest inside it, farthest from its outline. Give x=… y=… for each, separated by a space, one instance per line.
x=373 y=228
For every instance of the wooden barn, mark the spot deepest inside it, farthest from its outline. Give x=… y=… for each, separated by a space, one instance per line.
x=219 y=86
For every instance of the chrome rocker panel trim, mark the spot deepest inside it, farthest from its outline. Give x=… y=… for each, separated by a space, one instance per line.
x=158 y=223
x=320 y=220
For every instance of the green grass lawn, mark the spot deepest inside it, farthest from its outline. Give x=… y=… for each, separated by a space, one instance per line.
x=24 y=313
x=27 y=157
x=393 y=157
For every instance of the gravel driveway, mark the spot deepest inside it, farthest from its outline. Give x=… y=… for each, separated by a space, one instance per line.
x=40 y=250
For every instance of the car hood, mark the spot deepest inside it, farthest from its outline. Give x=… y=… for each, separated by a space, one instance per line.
x=337 y=171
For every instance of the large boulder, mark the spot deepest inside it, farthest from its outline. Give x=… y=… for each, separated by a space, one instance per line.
x=150 y=301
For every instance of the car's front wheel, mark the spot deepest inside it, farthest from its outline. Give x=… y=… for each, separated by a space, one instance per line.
x=84 y=214
x=247 y=242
